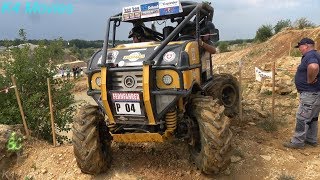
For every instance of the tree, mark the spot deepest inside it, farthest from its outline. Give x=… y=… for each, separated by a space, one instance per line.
x=264 y=33
x=303 y=23
x=6 y=43
x=282 y=24
x=223 y=47
x=23 y=35
x=31 y=69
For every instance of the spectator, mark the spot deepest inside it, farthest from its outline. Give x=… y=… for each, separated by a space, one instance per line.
x=74 y=70
x=308 y=85
x=68 y=72
x=62 y=72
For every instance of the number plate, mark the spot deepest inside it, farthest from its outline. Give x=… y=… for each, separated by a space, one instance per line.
x=129 y=108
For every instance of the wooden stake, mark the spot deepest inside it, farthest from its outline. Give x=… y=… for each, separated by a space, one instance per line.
x=273 y=88
x=20 y=106
x=240 y=90
x=51 y=114
x=290 y=49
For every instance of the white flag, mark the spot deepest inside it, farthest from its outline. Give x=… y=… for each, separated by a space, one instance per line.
x=262 y=74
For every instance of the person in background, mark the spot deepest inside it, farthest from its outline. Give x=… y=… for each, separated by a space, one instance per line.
x=308 y=85
x=74 y=70
x=62 y=72
x=68 y=72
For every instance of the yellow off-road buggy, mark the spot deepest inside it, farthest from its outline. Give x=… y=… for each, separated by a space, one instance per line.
x=158 y=90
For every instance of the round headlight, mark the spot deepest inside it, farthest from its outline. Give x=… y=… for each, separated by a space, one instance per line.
x=98 y=81
x=167 y=79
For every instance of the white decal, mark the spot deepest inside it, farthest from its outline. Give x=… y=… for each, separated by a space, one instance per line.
x=134 y=56
x=112 y=56
x=121 y=63
x=169 y=56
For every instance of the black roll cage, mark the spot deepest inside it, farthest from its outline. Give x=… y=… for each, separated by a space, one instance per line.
x=201 y=10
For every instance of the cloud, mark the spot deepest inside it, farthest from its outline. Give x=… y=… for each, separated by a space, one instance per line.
x=274 y=4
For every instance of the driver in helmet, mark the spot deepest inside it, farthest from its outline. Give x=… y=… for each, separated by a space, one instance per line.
x=138 y=34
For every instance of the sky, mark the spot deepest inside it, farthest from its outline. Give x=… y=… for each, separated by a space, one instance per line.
x=235 y=19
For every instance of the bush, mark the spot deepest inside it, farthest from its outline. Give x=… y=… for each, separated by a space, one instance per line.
x=303 y=23
x=295 y=52
x=264 y=33
x=223 y=47
x=31 y=69
x=281 y=24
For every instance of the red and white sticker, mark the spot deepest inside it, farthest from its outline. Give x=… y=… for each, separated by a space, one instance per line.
x=169 y=56
x=126 y=96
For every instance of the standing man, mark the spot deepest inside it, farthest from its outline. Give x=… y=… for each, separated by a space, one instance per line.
x=308 y=85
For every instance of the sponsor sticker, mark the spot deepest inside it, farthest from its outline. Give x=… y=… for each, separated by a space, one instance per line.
x=126 y=96
x=169 y=10
x=134 y=56
x=131 y=12
x=150 y=13
x=149 y=6
x=169 y=56
x=165 y=4
x=112 y=56
x=154 y=9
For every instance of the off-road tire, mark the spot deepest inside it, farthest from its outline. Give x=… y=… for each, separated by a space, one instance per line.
x=91 y=141
x=225 y=88
x=212 y=137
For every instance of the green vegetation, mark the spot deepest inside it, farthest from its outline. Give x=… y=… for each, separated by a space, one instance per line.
x=295 y=52
x=31 y=69
x=264 y=33
x=269 y=125
x=282 y=24
x=223 y=47
x=237 y=41
x=286 y=177
x=303 y=23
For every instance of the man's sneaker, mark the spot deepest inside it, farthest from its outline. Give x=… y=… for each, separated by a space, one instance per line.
x=292 y=146
x=314 y=144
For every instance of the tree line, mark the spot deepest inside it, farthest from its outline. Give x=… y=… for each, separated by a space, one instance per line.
x=266 y=31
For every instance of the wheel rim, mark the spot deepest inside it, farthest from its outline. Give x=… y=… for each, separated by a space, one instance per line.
x=229 y=95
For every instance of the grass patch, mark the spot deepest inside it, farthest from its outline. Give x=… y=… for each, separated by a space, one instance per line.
x=269 y=125
x=268 y=93
x=295 y=53
x=286 y=177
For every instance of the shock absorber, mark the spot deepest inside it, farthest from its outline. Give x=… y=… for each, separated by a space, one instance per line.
x=112 y=127
x=171 y=122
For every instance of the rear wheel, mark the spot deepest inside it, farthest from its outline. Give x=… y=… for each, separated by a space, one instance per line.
x=211 y=137
x=225 y=88
x=91 y=141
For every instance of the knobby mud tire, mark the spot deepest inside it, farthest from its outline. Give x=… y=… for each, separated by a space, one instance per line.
x=212 y=143
x=91 y=141
x=225 y=88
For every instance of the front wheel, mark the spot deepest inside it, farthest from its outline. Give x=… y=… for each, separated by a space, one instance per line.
x=211 y=137
x=91 y=141
x=225 y=88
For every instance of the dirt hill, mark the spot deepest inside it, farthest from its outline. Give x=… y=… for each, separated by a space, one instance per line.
x=278 y=48
x=257 y=146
